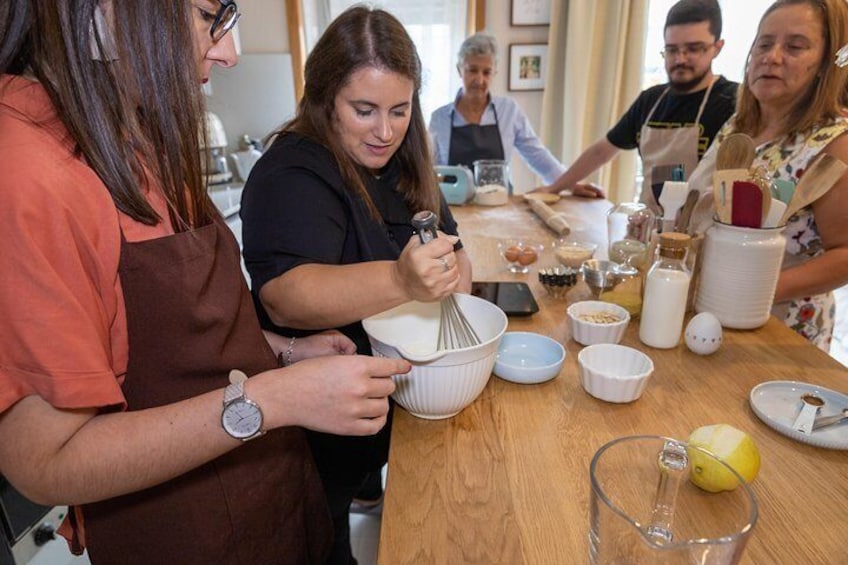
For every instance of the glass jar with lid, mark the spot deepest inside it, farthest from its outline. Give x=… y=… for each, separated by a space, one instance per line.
x=626 y=290
x=629 y=229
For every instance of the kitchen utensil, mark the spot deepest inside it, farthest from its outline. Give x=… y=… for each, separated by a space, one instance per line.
x=441 y=383
x=723 y=191
x=826 y=421
x=456 y=183
x=811 y=404
x=645 y=510
x=736 y=151
x=783 y=190
x=776 y=404
x=455 y=332
x=746 y=205
x=599 y=275
x=775 y=213
x=816 y=181
x=685 y=216
x=553 y=219
x=672 y=198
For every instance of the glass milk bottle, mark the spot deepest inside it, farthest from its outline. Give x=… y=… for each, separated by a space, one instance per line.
x=666 y=289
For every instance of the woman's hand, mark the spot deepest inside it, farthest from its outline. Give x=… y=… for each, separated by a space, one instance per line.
x=587 y=190
x=428 y=272
x=330 y=342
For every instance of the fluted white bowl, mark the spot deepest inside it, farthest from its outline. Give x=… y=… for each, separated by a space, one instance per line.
x=614 y=373
x=441 y=383
x=590 y=333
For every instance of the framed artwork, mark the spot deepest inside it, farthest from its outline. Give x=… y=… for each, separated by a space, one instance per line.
x=528 y=63
x=530 y=13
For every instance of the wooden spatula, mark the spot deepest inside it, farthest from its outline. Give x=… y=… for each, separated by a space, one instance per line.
x=736 y=151
x=817 y=180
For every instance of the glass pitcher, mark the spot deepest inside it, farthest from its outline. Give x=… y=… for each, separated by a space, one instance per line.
x=492 y=172
x=644 y=509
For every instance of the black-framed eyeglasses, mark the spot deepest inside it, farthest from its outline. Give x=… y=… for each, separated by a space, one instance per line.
x=226 y=17
x=688 y=50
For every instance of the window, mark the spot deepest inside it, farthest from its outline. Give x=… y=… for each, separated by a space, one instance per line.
x=739 y=27
x=437 y=27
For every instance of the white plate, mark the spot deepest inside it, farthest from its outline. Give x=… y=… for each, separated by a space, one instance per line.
x=778 y=403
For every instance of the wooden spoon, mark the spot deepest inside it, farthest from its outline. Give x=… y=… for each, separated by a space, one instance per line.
x=736 y=151
x=817 y=180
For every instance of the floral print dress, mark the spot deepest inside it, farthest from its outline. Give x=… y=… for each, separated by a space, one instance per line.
x=786 y=159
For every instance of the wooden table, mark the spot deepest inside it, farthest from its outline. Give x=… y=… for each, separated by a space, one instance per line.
x=507 y=480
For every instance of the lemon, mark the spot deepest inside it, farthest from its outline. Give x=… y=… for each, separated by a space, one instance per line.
x=731 y=445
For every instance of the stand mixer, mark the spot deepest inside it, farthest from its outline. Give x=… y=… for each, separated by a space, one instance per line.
x=213 y=145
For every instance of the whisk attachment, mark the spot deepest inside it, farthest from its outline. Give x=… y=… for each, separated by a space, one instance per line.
x=455 y=331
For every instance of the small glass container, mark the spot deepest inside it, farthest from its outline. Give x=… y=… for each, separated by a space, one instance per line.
x=492 y=173
x=519 y=255
x=629 y=228
x=627 y=291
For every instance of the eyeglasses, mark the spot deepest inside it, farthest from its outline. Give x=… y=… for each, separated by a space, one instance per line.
x=226 y=17
x=688 y=50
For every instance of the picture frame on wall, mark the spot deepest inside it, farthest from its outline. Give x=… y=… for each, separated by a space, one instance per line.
x=528 y=63
x=530 y=13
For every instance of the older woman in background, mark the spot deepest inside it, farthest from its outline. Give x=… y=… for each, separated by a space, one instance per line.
x=478 y=125
x=793 y=104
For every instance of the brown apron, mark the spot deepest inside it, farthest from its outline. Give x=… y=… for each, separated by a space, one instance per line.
x=190 y=320
x=666 y=148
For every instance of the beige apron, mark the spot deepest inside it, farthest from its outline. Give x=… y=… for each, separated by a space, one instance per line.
x=668 y=147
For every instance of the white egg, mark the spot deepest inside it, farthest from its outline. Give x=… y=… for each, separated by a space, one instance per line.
x=703 y=334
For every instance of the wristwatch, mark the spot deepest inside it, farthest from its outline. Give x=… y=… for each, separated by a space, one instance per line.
x=241 y=417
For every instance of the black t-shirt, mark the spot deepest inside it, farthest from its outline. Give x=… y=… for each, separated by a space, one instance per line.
x=676 y=110
x=296 y=210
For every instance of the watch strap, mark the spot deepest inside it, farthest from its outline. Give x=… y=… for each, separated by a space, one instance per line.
x=236 y=387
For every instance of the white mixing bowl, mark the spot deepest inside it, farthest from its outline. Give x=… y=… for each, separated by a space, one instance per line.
x=441 y=383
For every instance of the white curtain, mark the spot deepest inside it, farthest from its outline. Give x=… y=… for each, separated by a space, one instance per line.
x=596 y=57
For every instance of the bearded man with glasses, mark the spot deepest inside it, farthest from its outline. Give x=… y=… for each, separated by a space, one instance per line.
x=672 y=124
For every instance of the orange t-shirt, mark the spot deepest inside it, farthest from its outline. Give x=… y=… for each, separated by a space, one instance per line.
x=63 y=334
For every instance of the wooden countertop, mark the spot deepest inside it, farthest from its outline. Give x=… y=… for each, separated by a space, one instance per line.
x=507 y=480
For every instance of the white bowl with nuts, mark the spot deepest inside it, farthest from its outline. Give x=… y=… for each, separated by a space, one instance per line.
x=593 y=322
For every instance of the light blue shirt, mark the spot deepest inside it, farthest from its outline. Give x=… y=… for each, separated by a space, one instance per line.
x=516 y=135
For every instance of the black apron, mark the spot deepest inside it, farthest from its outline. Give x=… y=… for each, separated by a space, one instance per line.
x=190 y=320
x=472 y=142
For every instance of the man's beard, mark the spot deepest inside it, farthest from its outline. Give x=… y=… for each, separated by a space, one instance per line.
x=685 y=86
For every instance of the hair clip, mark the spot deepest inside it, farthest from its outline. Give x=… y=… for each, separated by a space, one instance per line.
x=842 y=56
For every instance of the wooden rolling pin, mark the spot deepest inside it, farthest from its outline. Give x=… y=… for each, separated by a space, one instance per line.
x=553 y=219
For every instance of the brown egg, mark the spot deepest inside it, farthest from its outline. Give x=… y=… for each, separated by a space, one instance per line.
x=527 y=256
x=512 y=253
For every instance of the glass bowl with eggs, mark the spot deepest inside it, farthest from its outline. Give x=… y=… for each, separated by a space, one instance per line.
x=519 y=254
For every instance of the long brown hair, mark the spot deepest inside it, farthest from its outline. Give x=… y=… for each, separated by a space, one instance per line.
x=361 y=37
x=135 y=113
x=827 y=97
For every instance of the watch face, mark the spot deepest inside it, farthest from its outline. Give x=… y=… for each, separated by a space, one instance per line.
x=242 y=419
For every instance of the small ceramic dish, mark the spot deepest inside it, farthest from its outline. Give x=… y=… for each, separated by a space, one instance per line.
x=573 y=253
x=594 y=321
x=614 y=373
x=528 y=358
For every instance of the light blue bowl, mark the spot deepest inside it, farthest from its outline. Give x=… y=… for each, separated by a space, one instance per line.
x=528 y=358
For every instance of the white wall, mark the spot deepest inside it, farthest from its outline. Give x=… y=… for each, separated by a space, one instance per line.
x=497 y=24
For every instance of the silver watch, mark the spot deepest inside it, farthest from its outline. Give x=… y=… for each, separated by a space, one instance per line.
x=241 y=417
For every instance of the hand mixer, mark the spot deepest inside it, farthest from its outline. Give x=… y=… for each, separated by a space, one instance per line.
x=455 y=332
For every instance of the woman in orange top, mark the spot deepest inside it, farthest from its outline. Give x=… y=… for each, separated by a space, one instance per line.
x=124 y=309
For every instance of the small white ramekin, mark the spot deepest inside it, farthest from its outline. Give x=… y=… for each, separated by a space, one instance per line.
x=590 y=333
x=614 y=373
